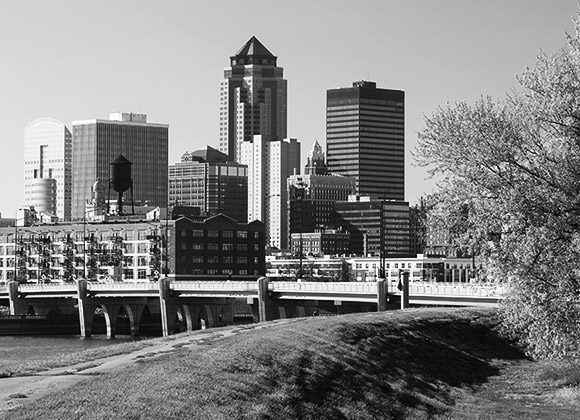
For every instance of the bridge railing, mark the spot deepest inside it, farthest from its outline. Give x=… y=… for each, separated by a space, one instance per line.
x=47 y=287
x=122 y=286
x=456 y=290
x=350 y=287
x=234 y=286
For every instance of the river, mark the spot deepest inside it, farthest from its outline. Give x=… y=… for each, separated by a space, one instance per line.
x=17 y=350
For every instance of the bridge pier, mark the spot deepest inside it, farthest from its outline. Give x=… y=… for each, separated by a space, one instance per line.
x=382 y=295
x=17 y=306
x=264 y=301
x=405 y=291
x=214 y=312
x=134 y=313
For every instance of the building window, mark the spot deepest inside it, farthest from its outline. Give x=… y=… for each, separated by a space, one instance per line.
x=197 y=233
x=242 y=234
x=228 y=234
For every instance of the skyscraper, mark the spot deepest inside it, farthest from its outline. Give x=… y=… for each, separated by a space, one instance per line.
x=47 y=167
x=311 y=196
x=97 y=143
x=253 y=98
x=205 y=179
x=365 y=138
x=270 y=163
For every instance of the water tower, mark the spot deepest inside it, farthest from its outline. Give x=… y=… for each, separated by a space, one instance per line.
x=120 y=180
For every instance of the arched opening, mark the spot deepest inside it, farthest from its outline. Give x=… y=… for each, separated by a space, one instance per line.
x=150 y=322
x=201 y=320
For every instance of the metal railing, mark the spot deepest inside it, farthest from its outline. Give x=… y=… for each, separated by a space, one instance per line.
x=425 y=289
x=354 y=288
x=214 y=285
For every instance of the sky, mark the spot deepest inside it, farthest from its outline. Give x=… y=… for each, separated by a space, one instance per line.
x=79 y=59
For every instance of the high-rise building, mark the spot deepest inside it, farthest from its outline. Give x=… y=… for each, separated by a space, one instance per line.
x=252 y=98
x=270 y=163
x=376 y=227
x=97 y=143
x=365 y=138
x=206 y=179
x=47 y=167
x=311 y=196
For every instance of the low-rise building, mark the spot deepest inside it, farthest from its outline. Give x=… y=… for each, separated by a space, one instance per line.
x=421 y=268
x=133 y=250
x=323 y=242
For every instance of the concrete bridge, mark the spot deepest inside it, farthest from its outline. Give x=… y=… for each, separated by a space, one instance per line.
x=211 y=303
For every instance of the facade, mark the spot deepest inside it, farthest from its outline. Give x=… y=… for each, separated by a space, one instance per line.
x=97 y=143
x=365 y=138
x=206 y=179
x=47 y=167
x=418 y=228
x=252 y=98
x=421 y=268
x=270 y=163
x=219 y=248
x=361 y=217
x=325 y=269
x=96 y=251
x=311 y=196
x=141 y=250
x=318 y=244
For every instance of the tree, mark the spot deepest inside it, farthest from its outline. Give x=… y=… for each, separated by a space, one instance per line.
x=514 y=167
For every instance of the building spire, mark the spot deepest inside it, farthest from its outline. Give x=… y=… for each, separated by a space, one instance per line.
x=253 y=52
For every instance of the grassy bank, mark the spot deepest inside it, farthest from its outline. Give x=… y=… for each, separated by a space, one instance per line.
x=429 y=363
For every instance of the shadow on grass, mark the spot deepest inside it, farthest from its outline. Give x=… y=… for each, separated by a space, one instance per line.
x=380 y=370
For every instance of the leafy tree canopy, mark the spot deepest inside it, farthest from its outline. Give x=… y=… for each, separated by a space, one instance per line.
x=509 y=174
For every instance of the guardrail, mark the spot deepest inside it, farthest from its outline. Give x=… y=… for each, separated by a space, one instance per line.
x=124 y=286
x=362 y=288
x=44 y=287
x=234 y=286
x=456 y=290
x=425 y=289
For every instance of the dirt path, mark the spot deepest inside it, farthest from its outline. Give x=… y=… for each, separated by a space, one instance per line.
x=19 y=390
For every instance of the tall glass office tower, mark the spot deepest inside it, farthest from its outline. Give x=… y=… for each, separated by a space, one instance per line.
x=47 y=167
x=97 y=143
x=252 y=98
x=365 y=138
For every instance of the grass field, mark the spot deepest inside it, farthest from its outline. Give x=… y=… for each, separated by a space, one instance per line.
x=424 y=363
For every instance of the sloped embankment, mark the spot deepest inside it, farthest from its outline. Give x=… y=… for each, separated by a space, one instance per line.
x=413 y=363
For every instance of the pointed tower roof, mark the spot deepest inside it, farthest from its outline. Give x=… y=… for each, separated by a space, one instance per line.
x=253 y=52
x=315 y=162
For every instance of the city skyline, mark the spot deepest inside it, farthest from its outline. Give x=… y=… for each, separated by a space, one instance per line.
x=73 y=61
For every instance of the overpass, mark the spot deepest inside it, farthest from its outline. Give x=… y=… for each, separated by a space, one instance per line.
x=212 y=302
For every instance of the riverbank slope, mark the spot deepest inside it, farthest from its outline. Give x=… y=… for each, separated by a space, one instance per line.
x=419 y=363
